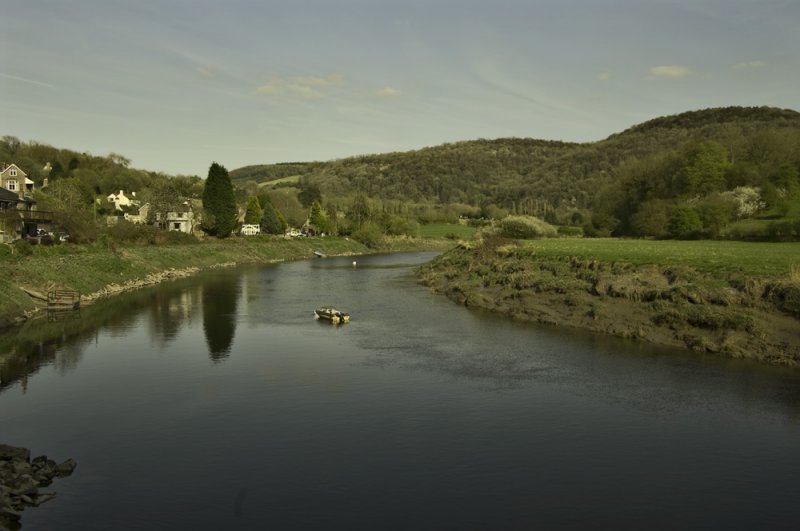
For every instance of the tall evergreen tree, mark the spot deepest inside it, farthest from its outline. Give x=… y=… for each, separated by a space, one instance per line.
x=270 y=220
x=254 y=211
x=219 y=202
x=317 y=218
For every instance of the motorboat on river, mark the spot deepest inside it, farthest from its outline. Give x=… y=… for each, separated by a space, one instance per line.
x=332 y=314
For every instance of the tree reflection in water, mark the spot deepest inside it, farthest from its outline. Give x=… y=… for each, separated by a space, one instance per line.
x=24 y=350
x=220 y=299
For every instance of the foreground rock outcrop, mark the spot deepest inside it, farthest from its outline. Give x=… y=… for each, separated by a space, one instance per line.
x=20 y=480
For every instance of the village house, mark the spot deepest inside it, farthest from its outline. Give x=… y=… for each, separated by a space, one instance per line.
x=121 y=200
x=181 y=219
x=13 y=179
x=18 y=214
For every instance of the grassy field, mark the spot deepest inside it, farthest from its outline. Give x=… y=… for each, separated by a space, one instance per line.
x=714 y=257
x=446 y=230
x=292 y=179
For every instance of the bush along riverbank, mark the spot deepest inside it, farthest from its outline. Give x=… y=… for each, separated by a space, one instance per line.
x=735 y=314
x=97 y=271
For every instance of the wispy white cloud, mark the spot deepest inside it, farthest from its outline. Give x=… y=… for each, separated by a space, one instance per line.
x=749 y=64
x=388 y=92
x=205 y=71
x=301 y=87
x=674 y=71
x=29 y=81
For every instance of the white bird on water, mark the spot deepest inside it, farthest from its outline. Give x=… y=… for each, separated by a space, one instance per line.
x=354 y=263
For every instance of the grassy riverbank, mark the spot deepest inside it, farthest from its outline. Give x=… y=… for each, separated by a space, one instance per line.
x=90 y=269
x=734 y=298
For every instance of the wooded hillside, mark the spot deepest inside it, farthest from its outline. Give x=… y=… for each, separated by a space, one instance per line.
x=726 y=172
x=689 y=157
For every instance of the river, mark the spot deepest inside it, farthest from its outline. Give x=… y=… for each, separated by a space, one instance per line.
x=218 y=402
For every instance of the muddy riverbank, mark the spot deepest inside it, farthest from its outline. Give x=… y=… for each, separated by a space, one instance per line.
x=739 y=316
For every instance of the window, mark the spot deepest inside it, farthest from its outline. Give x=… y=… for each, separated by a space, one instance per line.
x=11 y=184
x=12 y=172
x=176 y=226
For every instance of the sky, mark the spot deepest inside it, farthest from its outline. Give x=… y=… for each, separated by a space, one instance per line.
x=177 y=84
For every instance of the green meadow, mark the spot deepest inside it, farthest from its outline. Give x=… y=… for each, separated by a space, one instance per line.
x=718 y=258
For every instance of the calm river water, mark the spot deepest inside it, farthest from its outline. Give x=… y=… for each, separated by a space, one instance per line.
x=218 y=402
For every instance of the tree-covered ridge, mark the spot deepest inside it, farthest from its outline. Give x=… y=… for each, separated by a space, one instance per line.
x=716 y=116
x=725 y=172
x=272 y=172
x=602 y=185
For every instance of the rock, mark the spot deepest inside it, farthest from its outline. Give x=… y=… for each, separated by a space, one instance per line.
x=66 y=468
x=24 y=484
x=44 y=497
x=20 y=479
x=7 y=453
x=8 y=510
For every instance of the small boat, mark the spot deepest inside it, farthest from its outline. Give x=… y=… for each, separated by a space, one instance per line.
x=332 y=314
x=319 y=254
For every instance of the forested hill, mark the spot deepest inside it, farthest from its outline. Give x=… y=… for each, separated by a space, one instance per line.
x=527 y=175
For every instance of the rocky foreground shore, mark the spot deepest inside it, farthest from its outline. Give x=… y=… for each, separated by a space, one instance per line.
x=20 y=480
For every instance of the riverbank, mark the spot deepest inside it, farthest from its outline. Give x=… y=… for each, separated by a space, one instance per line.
x=732 y=311
x=99 y=271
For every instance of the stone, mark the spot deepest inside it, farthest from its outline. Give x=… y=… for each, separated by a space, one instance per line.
x=66 y=468
x=8 y=453
x=44 y=498
x=20 y=479
x=24 y=485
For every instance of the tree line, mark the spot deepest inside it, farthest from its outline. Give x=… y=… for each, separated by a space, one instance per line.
x=726 y=172
x=704 y=165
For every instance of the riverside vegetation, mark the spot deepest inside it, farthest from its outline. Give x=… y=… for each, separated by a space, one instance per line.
x=738 y=299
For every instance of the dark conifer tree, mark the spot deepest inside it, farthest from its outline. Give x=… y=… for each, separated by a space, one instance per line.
x=270 y=222
x=219 y=202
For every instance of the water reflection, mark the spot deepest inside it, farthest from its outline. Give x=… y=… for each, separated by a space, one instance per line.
x=43 y=342
x=220 y=301
x=171 y=311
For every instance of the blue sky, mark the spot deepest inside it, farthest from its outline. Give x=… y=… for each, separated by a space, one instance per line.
x=177 y=84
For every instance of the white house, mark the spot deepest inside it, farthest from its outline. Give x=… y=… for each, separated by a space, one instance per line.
x=250 y=229
x=121 y=200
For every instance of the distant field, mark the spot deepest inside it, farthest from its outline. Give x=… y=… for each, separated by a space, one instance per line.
x=292 y=179
x=444 y=230
x=716 y=257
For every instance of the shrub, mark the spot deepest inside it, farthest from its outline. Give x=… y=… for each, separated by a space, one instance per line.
x=126 y=232
x=526 y=227
x=567 y=230
x=685 y=222
x=400 y=225
x=784 y=231
x=174 y=237
x=369 y=234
